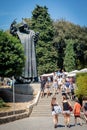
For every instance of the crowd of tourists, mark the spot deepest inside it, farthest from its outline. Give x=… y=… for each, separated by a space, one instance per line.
x=60 y=83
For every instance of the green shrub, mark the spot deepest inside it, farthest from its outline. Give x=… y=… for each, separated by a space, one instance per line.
x=81 y=83
x=2 y=103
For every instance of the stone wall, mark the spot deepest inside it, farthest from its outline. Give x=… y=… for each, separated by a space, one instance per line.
x=23 y=92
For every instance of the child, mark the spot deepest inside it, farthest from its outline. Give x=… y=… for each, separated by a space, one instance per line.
x=76 y=110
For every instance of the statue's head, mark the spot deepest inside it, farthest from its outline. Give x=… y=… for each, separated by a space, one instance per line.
x=23 y=27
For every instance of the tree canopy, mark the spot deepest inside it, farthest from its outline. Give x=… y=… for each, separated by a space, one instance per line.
x=65 y=30
x=46 y=53
x=11 y=55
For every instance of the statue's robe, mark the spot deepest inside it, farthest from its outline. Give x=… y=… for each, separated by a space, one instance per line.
x=27 y=39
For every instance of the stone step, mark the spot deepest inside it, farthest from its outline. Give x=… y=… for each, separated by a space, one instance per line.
x=41 y=111
x=44 y=115
x=13 y=117
x=4 y=114
x=44 y=102
x=43 y=108
x=42 y=105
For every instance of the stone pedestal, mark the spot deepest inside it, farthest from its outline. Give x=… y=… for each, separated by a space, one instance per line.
x=24 y=89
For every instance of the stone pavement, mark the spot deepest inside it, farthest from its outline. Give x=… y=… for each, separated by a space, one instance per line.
x=41 y=119
x=39 y=123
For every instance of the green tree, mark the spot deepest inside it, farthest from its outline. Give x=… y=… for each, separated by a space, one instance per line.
x=11 y=55
x=46 y=54
x=65 y=30
x=69 y=59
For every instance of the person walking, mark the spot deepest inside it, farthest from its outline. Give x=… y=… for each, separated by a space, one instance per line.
x=56 y=109
x=66 y=111
x=55 y=86
x=42 y=81
x=47 y=87
x=76 y=111
x=85 y=109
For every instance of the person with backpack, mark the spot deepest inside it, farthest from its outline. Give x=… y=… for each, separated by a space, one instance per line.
x=56 y=109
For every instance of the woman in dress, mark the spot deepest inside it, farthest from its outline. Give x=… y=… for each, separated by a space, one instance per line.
x=66 y=111
x=54 y=114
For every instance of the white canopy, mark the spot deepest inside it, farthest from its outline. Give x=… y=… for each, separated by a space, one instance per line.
x=83 y=70
x=71 y=75
x=46 y=75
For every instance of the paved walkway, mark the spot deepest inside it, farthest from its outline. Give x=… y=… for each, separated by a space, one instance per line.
x=39 y=123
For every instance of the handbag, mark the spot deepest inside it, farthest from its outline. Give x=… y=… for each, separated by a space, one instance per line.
x=70 y=108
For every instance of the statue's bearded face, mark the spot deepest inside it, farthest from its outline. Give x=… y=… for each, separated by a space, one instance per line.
x=24 y=29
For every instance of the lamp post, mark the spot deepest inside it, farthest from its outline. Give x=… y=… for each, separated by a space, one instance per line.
x=13 y=94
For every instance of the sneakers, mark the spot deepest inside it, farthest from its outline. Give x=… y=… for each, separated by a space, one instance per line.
x=68 y=126
x=78 y=124
x=55 y=126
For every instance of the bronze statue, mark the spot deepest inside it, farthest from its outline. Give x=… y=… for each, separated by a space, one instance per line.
x=28 y=39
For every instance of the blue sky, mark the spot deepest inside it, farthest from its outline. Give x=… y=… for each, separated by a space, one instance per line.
x=74 y=11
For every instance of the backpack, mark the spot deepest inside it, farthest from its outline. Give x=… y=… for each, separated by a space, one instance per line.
x=57 y=109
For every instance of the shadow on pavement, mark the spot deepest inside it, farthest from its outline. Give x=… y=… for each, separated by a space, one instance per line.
x=64 y=125
x=60 y=125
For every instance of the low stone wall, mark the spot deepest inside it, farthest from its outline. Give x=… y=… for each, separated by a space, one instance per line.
x=7 y=95
x=13 y=117
x=3 y=114
x=6 y=117
x=27 y=88
x=23 y=93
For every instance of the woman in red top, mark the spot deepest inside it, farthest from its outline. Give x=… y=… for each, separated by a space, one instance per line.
x=76 y=110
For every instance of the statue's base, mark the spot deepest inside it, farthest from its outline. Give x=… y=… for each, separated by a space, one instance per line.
x=23 y=80
x=24 y=89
